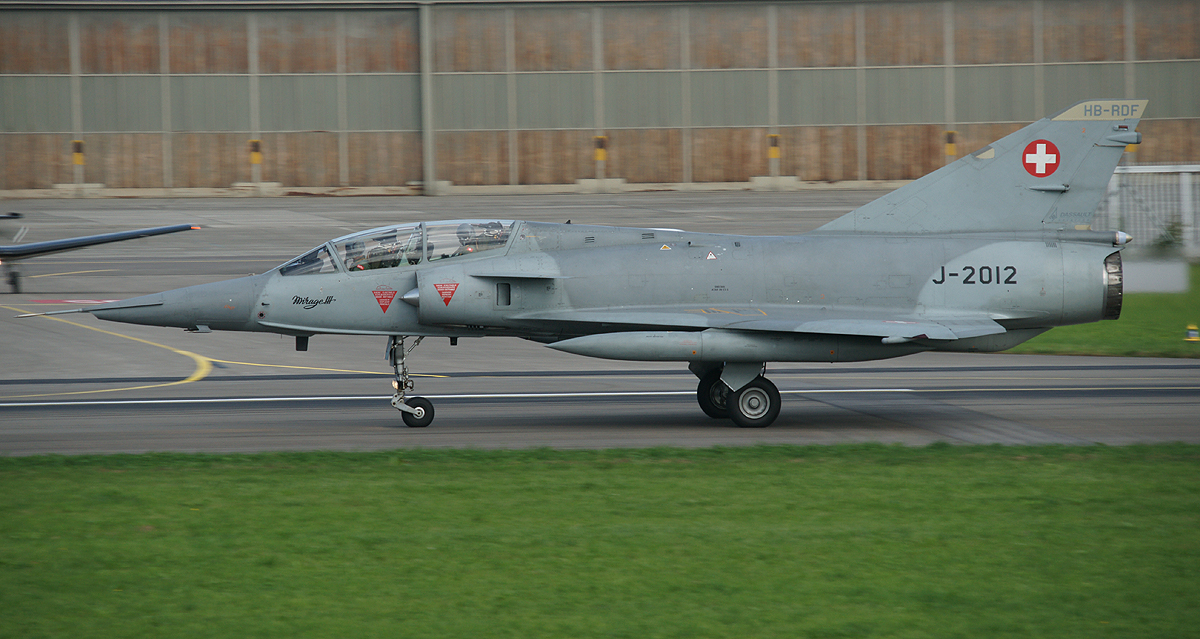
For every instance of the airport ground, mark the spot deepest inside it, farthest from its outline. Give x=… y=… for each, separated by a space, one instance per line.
x=73 y=384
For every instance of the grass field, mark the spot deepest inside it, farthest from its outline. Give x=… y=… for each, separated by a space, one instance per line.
x=1151 y=324
x=842 y=541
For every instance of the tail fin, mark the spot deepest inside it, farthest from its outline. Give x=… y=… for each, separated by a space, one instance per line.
x=1049 y=175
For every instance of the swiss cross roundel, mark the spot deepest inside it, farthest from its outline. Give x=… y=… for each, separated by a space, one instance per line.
x=1040 y=158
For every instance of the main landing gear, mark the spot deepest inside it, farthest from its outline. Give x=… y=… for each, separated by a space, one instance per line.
x=755 y=403
x=14 y=278
x=417 y=412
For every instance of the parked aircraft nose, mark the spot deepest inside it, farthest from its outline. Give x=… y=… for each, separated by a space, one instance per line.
x=216 y=306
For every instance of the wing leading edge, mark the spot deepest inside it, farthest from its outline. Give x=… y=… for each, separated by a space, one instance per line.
x=36 y=249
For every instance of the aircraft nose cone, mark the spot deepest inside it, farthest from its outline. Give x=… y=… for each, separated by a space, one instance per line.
x=216 y=306
x=135 y=310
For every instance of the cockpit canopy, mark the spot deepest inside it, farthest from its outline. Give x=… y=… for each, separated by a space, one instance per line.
x=402 y=245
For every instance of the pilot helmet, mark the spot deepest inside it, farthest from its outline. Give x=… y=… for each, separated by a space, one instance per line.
x=464 y=233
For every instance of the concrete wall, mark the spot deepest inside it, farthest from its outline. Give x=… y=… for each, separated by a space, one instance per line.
x=516 y=94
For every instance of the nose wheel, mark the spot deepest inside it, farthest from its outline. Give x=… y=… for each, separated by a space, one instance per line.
x=417 y=412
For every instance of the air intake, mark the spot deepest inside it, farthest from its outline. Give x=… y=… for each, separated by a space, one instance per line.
x=1113 y=291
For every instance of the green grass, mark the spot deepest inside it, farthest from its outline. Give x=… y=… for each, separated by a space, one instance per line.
x=843 y=541
x=1151 y=324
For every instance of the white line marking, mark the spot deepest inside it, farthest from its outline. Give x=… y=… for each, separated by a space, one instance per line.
x=344 y=398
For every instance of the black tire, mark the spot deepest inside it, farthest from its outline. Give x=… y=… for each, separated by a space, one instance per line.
x=756 y=405
x=14 y=281
x=713 y=395
x=424 y=406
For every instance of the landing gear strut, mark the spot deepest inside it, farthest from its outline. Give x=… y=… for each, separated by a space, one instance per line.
x=14 y=278
x=417 y=412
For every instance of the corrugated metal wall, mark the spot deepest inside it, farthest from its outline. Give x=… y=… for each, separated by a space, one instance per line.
x=682 y=92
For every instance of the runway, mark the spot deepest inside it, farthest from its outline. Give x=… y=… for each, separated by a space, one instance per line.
x=72 y=384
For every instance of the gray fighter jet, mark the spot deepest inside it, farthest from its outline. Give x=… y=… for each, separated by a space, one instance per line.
x=980 y=255
x=11 y=254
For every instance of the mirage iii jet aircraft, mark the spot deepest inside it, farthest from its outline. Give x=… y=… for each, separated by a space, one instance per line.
x=980 y=255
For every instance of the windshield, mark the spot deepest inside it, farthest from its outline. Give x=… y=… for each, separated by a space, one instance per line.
x=317 y=260
x=380 y=248
x=465 y=237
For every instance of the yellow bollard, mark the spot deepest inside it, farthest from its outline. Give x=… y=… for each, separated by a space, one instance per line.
x=1193 y=334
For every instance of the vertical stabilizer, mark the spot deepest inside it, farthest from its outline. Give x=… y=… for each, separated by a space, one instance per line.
x=1050 y=175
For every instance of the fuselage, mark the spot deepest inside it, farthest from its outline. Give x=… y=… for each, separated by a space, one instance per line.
x=550 y=282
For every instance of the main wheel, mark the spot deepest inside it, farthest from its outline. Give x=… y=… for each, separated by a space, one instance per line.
x=424 y=415
x=756 y=405
x=712 y=394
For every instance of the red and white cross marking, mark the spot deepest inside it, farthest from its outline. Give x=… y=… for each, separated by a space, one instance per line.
x=1041 y=158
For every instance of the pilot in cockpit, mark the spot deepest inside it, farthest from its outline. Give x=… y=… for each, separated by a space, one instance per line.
x=466 y=239
x=354 y=256
x=479 y=237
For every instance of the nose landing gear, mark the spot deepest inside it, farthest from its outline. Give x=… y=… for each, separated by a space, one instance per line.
x=417 y=412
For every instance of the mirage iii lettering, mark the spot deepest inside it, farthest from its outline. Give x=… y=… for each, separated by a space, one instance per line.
x=309 y=303
x=972 y=257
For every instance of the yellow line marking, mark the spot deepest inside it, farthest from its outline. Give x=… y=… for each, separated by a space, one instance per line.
x=203 y=364
x=103 y=270
x=316 y=368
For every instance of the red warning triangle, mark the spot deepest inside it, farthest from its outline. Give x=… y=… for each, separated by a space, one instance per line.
x=446 y=291
x=384 y=297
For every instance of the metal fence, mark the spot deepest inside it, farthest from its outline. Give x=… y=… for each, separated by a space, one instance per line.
x=1157 y=205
